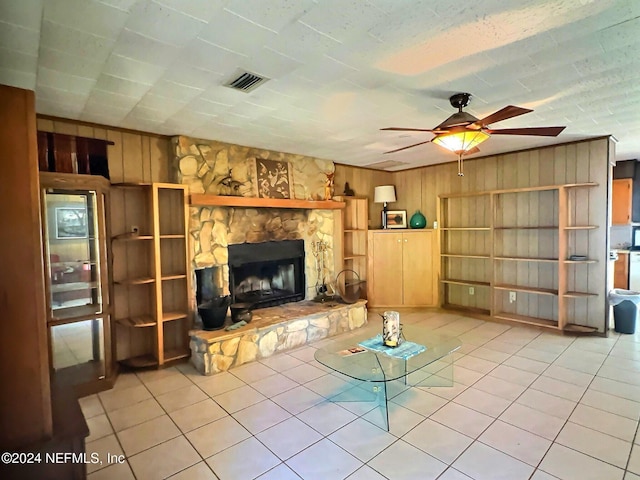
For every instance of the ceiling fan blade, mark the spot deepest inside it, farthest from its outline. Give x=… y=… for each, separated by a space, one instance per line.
x=400 y=129
x=410 y=146
x=537 y=131
x=509 y=111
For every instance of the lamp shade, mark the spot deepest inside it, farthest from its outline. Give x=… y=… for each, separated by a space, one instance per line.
x=384 y=194
x=461 y=142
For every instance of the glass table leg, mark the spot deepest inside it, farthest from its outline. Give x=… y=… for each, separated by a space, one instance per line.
x=436 y=374
x=381 y=389
x=367 y=392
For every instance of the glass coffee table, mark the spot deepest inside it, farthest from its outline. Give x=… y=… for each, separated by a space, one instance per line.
x=373 y=369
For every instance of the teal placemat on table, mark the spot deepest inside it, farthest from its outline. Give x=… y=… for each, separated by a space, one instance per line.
x=404 y=350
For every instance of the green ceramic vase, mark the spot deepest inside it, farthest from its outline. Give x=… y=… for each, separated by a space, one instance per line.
x=418 y=220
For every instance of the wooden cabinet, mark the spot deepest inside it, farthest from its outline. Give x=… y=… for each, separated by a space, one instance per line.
x=151 y=279
x=402 y=268
x=531 y=250
x=621 y=272
x=75 y=233
x=350 y=240
x=385 y=269
x=26 y=400
x=621 y=201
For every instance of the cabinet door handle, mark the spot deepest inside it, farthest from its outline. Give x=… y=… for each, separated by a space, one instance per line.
x=399 y=240
x=405 y=240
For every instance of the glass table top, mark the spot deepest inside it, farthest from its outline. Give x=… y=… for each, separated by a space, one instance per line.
x=372 y=366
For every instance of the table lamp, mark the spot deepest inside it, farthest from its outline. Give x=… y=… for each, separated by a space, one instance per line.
x=384 y=194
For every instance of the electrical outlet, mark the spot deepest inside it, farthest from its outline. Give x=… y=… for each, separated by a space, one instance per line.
x=472 y=291
x=435 y=225
x=512 y=297
x=135 y=229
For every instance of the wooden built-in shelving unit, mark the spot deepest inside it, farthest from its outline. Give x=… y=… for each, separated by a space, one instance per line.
x=515 y=246
x=151 y=279
x=351 y=224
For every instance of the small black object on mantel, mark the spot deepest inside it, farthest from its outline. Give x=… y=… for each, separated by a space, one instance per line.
x=348 y=191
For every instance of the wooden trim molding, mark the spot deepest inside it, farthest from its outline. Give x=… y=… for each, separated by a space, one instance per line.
x=200 y=199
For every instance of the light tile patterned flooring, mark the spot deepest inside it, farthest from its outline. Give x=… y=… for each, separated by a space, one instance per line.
x=525 y=405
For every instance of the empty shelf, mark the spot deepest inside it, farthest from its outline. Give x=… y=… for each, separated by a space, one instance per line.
x=514 y=317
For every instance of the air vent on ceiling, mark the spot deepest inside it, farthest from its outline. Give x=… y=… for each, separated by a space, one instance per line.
x=245 y=81
x=386 y=165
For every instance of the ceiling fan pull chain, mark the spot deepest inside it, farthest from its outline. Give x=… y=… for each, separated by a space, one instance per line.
x=460 y=166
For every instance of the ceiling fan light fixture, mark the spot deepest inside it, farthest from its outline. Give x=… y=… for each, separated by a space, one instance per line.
x=461 y=142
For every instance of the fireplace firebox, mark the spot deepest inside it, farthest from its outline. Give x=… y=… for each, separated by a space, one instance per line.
x=268 y=273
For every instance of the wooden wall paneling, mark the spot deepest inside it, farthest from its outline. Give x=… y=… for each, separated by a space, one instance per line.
x=172 y=256
x=534 y=245
x=546 y=216
x=491 y=264
x=522 y=172
x=534 y=219
x=133 y=170
x=571 y=152
x=461 y=208
x=363 y=181
x=475 y=170
x=170 y=334
x=145 y=157
x=510 y=164
x=578 y=276
x=547 y=166
x=562 y=255
x=85 y=131
x=523 y=201
x=100 y=133
x=559 y=164
x=600 y=171
x=429 y=196
x=148 y=157
x=67 y=128
x=114 y=153
x=161 y=158
x=408 y=192
x=44 y=124
x=443 y=270
x=468 y=209
x=118 y=264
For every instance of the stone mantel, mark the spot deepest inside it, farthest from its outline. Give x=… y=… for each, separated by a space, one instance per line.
x=200 y=199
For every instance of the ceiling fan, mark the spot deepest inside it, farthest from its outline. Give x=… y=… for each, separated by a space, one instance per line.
x=461 y=133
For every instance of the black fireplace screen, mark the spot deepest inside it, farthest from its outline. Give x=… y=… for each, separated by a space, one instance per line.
x=267 y=274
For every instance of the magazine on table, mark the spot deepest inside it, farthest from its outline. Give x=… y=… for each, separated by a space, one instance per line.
x=352 y=351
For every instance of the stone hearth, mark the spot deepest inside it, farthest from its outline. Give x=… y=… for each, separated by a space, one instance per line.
x=273 y=330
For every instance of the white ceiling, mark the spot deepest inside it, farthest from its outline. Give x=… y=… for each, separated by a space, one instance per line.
x=339 y=70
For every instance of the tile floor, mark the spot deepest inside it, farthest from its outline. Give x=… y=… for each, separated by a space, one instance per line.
x=525 y=405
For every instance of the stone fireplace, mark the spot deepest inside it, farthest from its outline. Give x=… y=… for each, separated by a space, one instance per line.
x=218 y=168
x=266 y=256
x=219 y=234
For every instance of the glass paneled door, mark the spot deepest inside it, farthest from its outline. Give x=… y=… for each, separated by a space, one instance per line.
x=75 y=253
